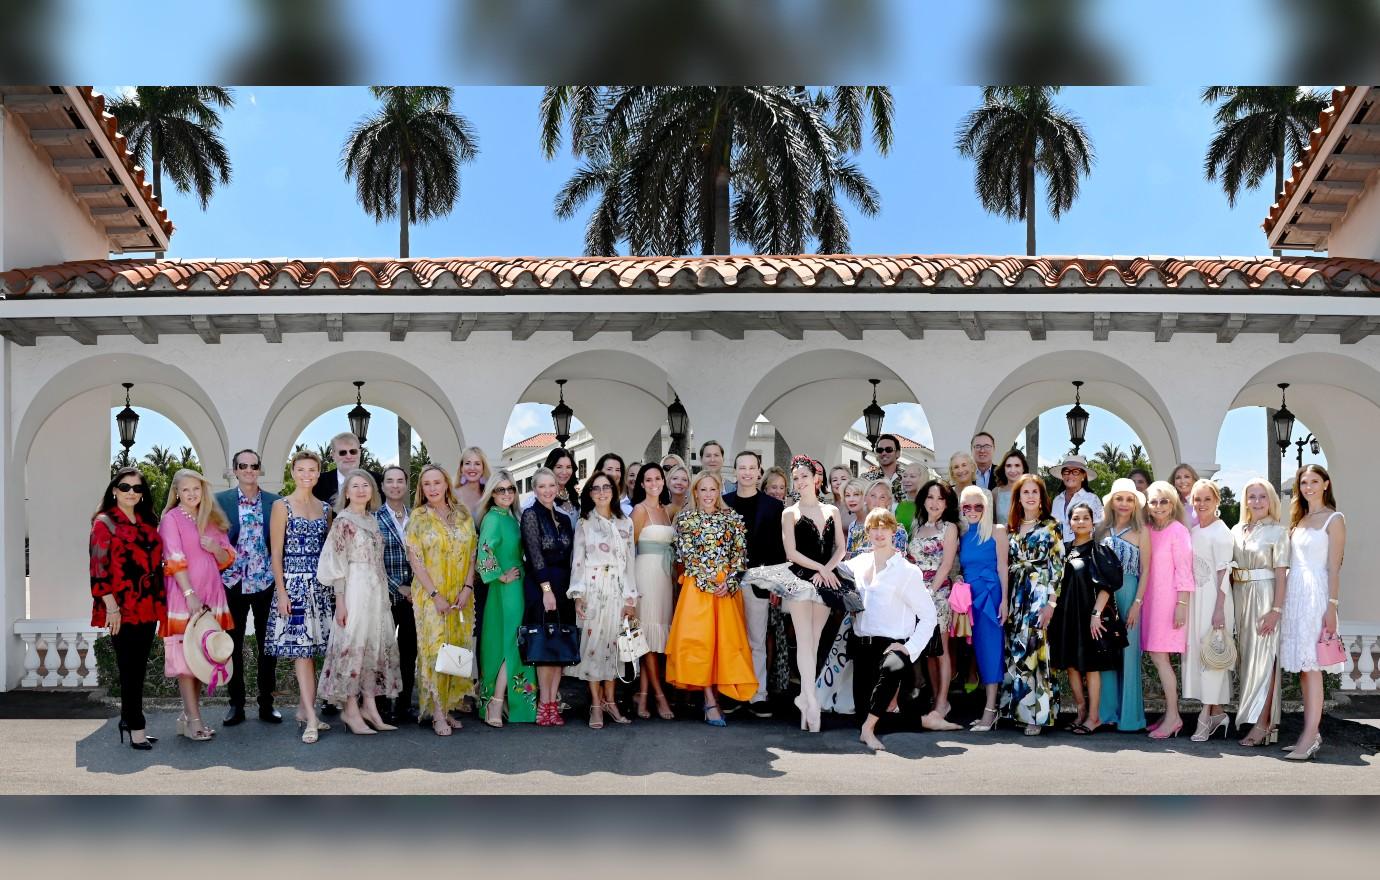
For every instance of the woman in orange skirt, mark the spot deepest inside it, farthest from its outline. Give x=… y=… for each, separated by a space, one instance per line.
x=708 y=646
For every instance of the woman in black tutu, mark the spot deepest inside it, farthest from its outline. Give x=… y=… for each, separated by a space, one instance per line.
x=1086 y=634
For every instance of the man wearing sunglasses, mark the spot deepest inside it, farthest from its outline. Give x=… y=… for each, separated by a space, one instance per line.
x=347 y=452
x=249 y=580
x=888 y=451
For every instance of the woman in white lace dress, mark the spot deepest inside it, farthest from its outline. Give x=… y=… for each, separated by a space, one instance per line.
x=1317 y=541
x=603 y=585
x=362 y=654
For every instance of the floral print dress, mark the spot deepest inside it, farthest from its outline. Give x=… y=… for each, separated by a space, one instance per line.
x=928 y=553
x=601 y=573
x=1029 y=692
x=447 y=552
x=362 y=656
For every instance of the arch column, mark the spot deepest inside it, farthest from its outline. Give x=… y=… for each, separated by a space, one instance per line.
x=11 y=530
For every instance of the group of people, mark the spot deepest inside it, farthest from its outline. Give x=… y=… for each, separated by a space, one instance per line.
x=894 y=584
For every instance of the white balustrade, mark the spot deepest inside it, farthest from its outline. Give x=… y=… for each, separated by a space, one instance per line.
x=1361 y=641
x=58 y=653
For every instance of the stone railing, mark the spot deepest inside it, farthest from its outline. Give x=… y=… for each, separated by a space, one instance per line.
x=1361 y=642
x=58 y=653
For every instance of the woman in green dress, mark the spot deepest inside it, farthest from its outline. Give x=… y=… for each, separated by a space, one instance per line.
x=504 y=680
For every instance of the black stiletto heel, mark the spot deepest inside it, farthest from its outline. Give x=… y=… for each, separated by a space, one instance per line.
x=146 y=745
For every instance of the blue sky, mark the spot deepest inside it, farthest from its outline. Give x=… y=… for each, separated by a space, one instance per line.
x=1146 y=195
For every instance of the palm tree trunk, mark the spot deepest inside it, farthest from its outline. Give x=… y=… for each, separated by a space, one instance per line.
x=721 y=231
x=156 y=157
x=404 y=445
x=405 y=211
x=1030 y=207
x=1032 y=444
x=716 y=187
x=1279 y=177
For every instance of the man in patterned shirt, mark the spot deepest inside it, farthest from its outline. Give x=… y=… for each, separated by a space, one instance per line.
x=888 y=454
x=249 y=581
x=392 y=516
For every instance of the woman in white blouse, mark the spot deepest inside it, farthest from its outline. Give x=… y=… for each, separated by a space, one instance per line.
x=605 y=592
x=897 y=621
x=1073 y=470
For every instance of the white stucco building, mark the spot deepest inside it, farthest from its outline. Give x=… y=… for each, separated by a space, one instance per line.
x=247 y=353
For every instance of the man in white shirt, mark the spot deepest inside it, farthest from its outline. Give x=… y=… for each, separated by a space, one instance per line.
x=1073 y=470
x=984 y=447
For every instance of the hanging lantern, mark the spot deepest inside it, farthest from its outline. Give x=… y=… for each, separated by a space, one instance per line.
x=359 y=416
x=561 y=414
x=873 y=416
x=127 y=420
x=679 y=421
x=1077 y=418
x=1284 y=423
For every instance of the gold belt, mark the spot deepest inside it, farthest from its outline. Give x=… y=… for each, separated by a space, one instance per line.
x=1244 y=575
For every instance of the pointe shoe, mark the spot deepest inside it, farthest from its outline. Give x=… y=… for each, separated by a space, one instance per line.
x=804 y=706
x=814 y=719
x=1207 y=726
x=1308 y=753
x=1162 y=732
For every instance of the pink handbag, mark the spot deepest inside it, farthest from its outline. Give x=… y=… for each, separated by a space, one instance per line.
x=1330 y=649
x=961 y=604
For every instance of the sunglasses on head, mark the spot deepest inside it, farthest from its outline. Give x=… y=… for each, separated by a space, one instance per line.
x=131 y=487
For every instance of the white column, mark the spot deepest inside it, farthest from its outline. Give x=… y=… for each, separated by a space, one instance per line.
x=12 y=587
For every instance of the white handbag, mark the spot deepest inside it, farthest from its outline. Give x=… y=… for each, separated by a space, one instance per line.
x=455 y=660
x=632 y=643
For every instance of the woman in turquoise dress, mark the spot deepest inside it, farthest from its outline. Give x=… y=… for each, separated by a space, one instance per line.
x=501 y=669
x=1029 y=691
x=1123 y=531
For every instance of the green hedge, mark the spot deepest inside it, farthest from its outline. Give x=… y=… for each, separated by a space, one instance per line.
x=159 y=686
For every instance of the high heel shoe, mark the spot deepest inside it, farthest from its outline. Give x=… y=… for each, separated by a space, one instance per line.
x=596 y=724
x=663 y=708
x=1258 y=736
x=198 y=732
x=611 y=709
x=1162 y=732
x=1207 y=726
x=146 y=745
x=1308 y=753
x=494 y=722
x=640 y=701
x=979 y=727
x=714 y=722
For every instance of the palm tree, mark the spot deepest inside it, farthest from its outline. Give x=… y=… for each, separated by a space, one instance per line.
x=1112 y=457
x=409 y=153
x=1258 y=127
x=675 y=168
x=1019 y=132
x=161 y=458
x=177 y=128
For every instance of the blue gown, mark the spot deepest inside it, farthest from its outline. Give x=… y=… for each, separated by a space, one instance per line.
x=979 y=562
x=1123 y=702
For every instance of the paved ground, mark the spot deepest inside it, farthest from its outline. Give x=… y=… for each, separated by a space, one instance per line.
x=82 y=755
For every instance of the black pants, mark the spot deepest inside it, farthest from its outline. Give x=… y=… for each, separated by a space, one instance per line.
x=240 y=608
x=407 y=653
x=877 y=674
x=132 y=645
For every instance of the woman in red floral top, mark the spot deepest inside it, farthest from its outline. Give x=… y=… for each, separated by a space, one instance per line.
x=127 y=589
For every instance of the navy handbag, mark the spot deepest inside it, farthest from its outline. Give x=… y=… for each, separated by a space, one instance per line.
x=549 y=643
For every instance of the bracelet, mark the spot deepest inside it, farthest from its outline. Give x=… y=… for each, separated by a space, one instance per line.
x=1182 y=604
x=433 y=594
x=1336 y=602
x=1136 y=601
x=546 y=588
x=1277 y=610
x=1052 y=604
x=187 y=592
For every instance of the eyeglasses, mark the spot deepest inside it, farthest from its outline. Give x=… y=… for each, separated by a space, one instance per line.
x=882 y=450
x=346 y=452
x=1159 y=502
x=602 y=487
x=973 y=508
x=132 y=487
x=246 y=466
x=978 y=446
x=505 y=490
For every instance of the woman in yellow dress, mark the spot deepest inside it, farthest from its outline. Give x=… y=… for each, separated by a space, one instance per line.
x=441 y=544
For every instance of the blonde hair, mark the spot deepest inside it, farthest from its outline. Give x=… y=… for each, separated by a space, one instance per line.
x=1192 y=472
x=955 y=457
x=1273 y=513
x=775 y=471
x=207 y=511
x=419 y=502
x=885 y=484
x=483 y=463
x=303 y=455
x=692 y=494
x=670 y=460
x=1160 y=487
x=341 y=501
x=1209 y=485
x=985 y=524
x=486 y=501
x=880 y=518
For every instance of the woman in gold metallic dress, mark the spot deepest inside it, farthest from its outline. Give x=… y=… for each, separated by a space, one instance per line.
x=1260 y=552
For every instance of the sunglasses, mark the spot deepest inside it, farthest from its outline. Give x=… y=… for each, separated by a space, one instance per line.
x=347 y=452
x=973 y=508
x=505 y=490
x=132 y=487
x=245 y=466
x=884 y=449
x=1159 y=502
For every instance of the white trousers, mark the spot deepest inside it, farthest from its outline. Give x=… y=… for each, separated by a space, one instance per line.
x=755 y=610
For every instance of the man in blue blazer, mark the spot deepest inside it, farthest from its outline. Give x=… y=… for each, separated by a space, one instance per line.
x=249 y=580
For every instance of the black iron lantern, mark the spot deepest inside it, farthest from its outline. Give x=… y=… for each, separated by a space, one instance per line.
x=127 y=420
x=679 y=422
x=1077 y=418
x=873 y=416
x=561 y=414
x=1284 y=424
x=359 y=416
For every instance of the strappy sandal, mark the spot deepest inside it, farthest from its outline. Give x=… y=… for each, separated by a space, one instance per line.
x=490 y=721
x=979 y=727
x=611 y=709
x=310 y=734
x=596 y=724
x=441 y=726
x=198 y=732
x=640 y=701
x=663 y=708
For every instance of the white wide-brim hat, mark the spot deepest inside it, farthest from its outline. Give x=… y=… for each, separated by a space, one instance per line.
x=208 y=650
x=1078 y=461
x=1123 y=484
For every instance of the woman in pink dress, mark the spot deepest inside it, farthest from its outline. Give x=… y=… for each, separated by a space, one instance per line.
x=195 y=552
x=1165 y=612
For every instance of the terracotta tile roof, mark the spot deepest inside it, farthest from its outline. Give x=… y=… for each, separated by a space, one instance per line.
x=1326 y=120
x=536 y=441
x=96 y=102
x=843 y=272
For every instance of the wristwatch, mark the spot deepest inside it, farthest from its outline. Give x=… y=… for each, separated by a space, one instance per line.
x=433 y=594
